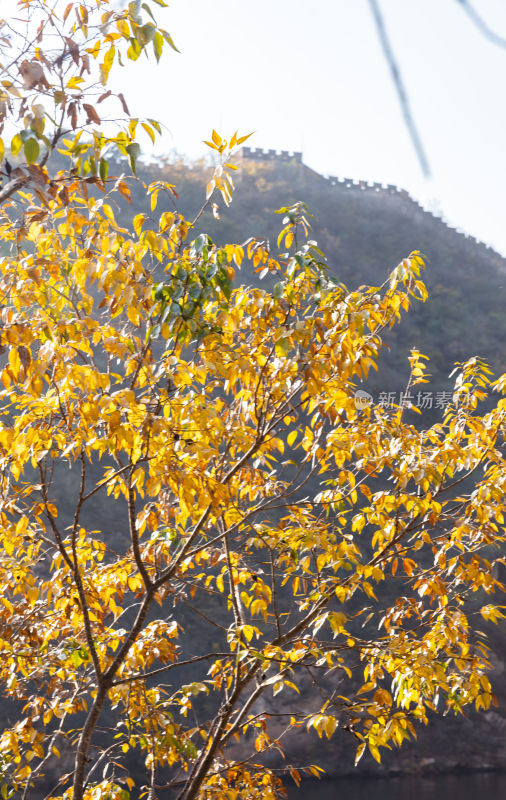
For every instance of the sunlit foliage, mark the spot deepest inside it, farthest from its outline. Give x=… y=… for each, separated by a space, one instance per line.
x=259 y=489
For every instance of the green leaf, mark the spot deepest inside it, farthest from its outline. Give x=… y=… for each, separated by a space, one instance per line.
x=278 y=290
x=195 y=291
x=169 y=40
x=148 y=11
x=148 y=32
x=225 y=284
x=103 y=169
x=203 y=240
x=76 y=659
x=282 y=346
x=134 y=8
x=31 y=148
x=134 y=152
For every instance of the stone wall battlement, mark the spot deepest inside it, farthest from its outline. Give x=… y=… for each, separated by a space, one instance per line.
x=258 y=154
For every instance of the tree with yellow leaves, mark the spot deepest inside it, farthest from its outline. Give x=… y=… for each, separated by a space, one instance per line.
x=310 y=532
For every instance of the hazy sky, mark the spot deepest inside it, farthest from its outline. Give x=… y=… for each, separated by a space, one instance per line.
x=311 y=76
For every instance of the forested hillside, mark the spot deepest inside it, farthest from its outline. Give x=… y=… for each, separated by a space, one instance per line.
x=364 y=233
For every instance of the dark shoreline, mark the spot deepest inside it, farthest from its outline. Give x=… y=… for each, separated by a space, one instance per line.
x=463 y=783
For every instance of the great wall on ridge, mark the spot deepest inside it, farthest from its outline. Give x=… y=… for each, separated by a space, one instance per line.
x=258 y=154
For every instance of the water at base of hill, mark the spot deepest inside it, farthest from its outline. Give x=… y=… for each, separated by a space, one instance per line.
x=467 y=786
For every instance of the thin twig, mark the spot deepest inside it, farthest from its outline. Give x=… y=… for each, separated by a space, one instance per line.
x=482 y=26
x=400 y=88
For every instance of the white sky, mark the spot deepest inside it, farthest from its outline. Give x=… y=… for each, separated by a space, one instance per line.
x=312 y=77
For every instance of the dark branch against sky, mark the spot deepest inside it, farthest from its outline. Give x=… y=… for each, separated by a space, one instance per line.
x=400 y=88
x=482 y=26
